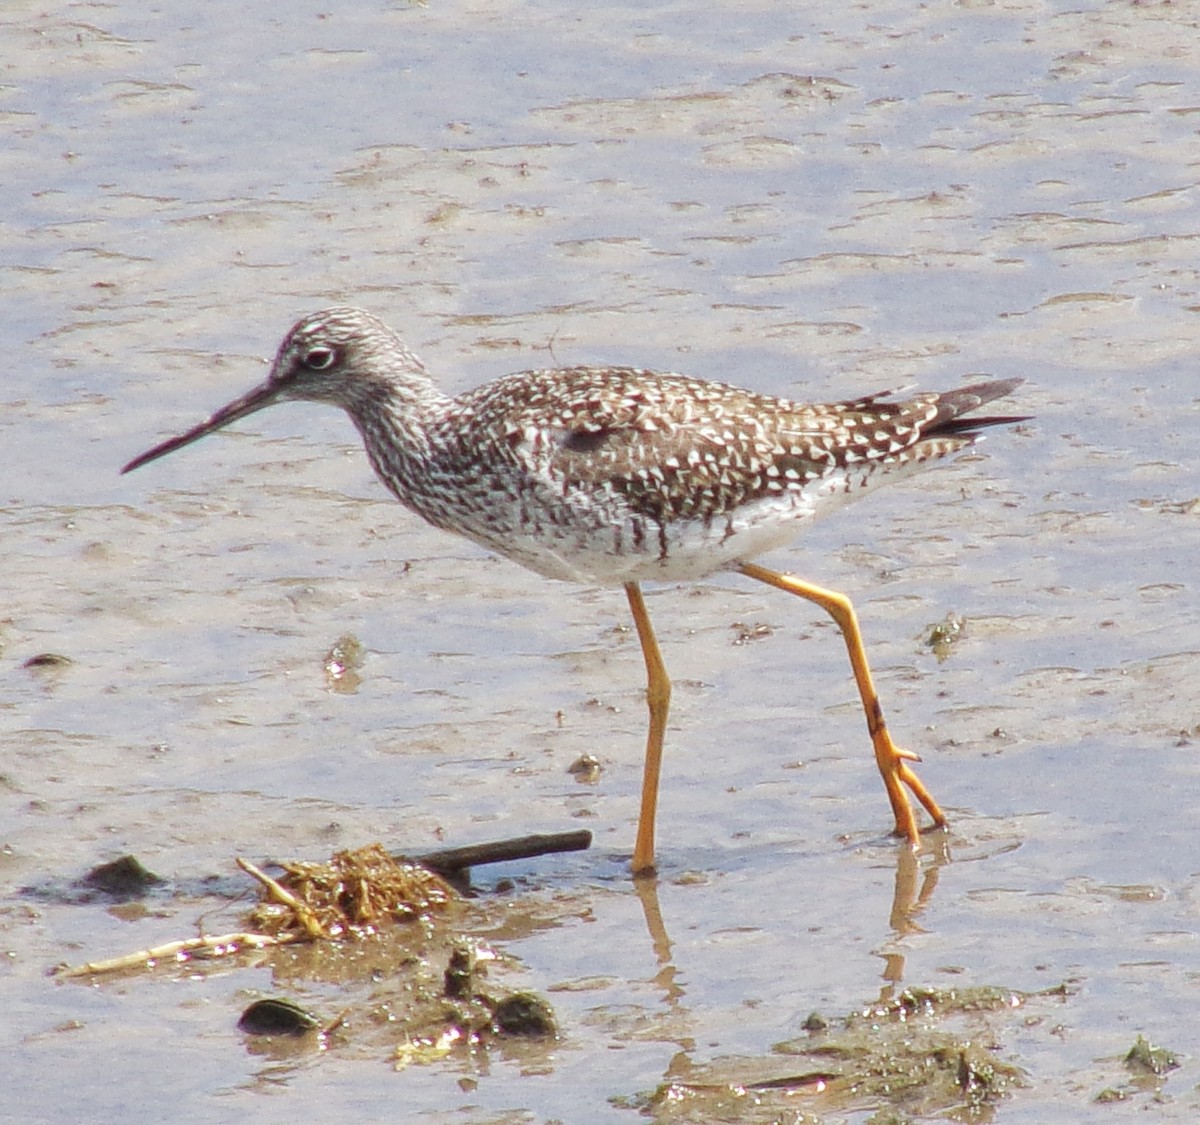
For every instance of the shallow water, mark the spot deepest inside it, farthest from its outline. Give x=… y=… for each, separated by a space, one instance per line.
x=814 y=203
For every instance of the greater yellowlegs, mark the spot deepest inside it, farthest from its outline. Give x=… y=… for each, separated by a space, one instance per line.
x=615 y=476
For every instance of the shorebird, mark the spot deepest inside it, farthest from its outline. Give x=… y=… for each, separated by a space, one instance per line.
x=614 y=476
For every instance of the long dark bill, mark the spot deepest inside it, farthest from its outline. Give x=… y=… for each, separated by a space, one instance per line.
x=262 y=396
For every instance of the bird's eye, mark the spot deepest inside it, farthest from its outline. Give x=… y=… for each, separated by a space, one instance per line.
x=320 y=359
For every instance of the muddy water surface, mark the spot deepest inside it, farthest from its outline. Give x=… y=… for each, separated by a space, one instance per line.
x=811 y=202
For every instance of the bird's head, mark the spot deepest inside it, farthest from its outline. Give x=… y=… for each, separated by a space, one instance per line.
x=340 y=355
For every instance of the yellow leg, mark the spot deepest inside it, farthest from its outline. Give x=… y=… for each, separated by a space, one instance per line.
x=891 y=760
x=658 y=699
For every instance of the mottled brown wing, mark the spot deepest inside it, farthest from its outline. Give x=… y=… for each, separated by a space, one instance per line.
x=675 y=447
x=678 y=447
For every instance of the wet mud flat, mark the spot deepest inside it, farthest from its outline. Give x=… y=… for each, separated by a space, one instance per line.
x=820 y=203
x=402 y=953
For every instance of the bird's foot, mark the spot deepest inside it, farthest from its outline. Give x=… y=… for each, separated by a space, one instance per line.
x=898 y=776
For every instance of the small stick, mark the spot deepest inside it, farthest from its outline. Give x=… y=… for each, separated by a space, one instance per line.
x=178 y=951
x=452 y=861
x=280 y=893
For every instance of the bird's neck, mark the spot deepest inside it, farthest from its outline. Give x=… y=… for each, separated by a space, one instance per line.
x=396 y=422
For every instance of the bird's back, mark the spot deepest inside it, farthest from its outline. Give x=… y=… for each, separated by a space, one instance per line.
x=614 y=474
